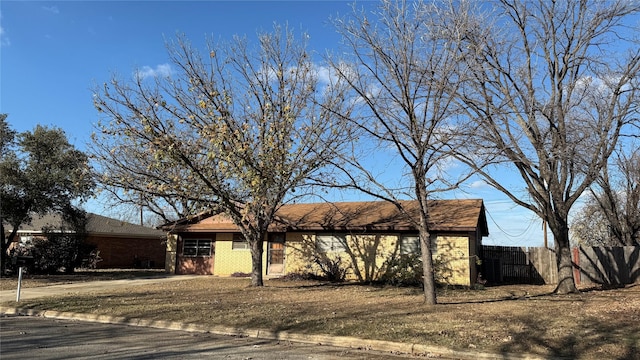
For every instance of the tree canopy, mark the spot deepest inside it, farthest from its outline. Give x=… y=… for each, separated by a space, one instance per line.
x=235 y=128
x=611 y=213
x=553 y=86
x=40 y=172
x=403 y=73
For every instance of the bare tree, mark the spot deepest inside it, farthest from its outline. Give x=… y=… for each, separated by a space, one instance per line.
x=555 y=84
x=613 y=203
x=236 y=131
x=130 y=194
x=589 y=226
x=619 y=199
x=402 y=66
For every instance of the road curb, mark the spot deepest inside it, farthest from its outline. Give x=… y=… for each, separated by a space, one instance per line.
x=338 y=341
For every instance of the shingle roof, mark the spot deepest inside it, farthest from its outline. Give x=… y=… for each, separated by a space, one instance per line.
x=444 y=215
x=96 y=225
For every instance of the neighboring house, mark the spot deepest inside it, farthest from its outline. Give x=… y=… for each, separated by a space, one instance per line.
x=120 y=244
x=364 y=234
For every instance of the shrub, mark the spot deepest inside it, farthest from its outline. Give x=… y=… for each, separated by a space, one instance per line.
x=331 y=268
x=402 y=270
x=92 y=258
x=443 y=271
x=239 y=274
x=299 y=276
x=61 y=252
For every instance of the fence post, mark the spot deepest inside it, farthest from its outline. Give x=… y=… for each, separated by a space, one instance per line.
x=529 y=265
x=576 y=265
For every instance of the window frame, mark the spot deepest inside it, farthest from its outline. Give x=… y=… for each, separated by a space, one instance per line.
x=26 y=240
x=239 y=243
x=413 y=247
x=403 y=237
x=198 y=247
x=337 y=242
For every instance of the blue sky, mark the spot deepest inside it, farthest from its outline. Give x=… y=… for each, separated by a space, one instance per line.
x=53 y=53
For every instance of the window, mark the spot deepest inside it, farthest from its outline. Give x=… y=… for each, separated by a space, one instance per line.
x=196 y=247
x=26 y=240
x=239 y=242
x=410 y=244
x=331 y=242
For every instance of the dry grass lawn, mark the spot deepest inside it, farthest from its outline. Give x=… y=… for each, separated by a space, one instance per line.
x=594 y=324
x=11 y=282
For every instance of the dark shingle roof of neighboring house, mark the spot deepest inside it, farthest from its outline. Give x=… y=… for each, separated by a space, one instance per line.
x=444 y=215
x=96 y=225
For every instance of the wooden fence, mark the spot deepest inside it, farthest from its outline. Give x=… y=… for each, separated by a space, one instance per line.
x=607 y=265
x=537 y=265
x=518 y=265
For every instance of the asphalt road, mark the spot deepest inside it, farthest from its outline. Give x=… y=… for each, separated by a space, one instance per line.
x=26 y=337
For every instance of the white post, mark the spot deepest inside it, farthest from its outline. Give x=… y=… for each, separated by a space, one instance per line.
x=19 y=284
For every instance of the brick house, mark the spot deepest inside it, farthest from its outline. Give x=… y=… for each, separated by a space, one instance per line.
x=121 y=244
x=365 y=234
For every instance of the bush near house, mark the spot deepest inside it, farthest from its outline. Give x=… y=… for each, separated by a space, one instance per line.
x=57 y=253
x=402 y=270
x=331 y=268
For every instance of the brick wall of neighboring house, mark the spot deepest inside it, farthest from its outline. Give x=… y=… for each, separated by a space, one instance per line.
x=120 y=252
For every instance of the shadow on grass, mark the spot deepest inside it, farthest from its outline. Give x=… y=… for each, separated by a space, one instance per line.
x=512 y=297
x=592 y=339
x=616 y=336
x=542 y=295
x=318 y=284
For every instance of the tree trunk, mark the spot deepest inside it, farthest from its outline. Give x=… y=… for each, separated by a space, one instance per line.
x=4 y=247
x=428 y=278
x=256 y=246
x=566 y=282
x=3 y=254
x=3 y=251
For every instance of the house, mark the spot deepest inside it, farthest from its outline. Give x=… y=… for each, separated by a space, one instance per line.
x=120 y=244
x=364 y=234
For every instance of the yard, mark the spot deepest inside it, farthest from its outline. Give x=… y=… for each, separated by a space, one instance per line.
x=593 y=324
x=10 y=283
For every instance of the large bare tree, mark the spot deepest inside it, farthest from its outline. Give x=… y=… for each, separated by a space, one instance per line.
x=555 y=84
x=402 y=68
x=619 y=196
x=236 y=130
x=611 y=214
x=131 y=195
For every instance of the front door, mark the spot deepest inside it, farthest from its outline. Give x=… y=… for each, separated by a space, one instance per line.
x=275 y=255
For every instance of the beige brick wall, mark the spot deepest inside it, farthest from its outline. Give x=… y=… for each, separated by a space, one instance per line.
x=367 y=253
x=365 y=256
x=456 y=265
x=230 y=261
x=171 y=254
x=452 y=260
